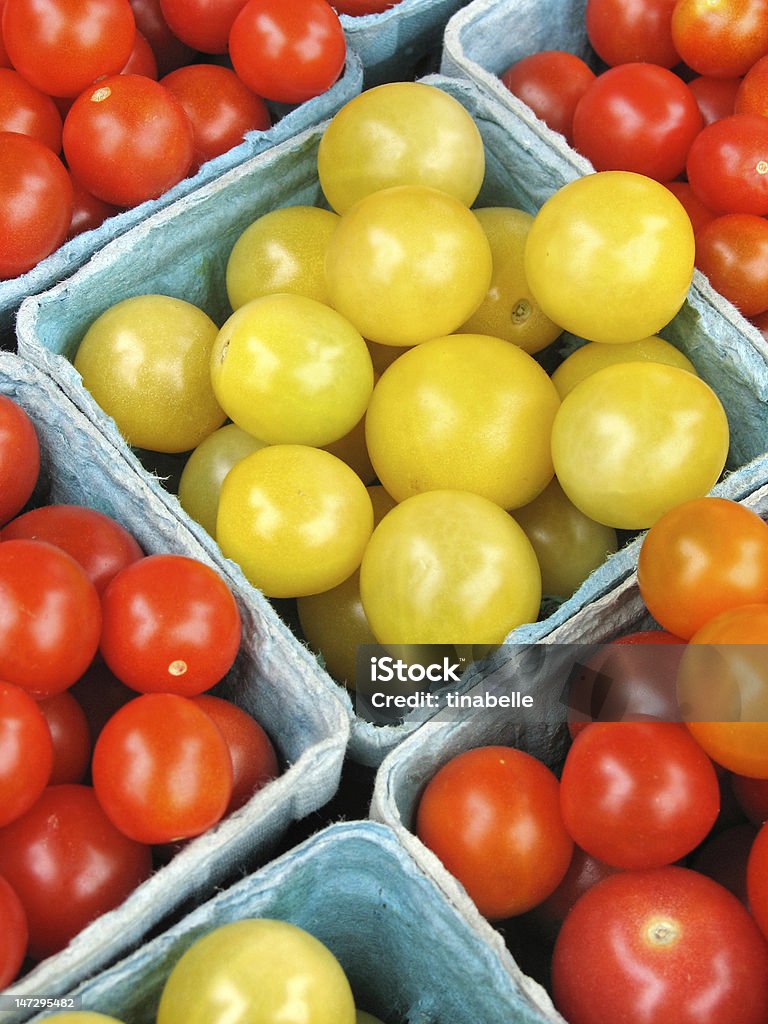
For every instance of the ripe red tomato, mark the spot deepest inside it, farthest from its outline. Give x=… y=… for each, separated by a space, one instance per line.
x=722 y=38
x=716 y=97
x=752 y=93
x=220 y=108
x=492 y=816
x=35 y=203
x=142 y=60
x=751 y=796
x=727 y=164
x=71 y=737
x=19 y=458
x=26 y=752
x=622 y=31
x=169 y=51
x=88 y=212
x=13 y=935
x=551 y=82
x=161 y=769
x=96 y=541
x=254 y=761
x=757 y=879
x=664 y=944
x=732 y=251
x=89 y=867
x=696 y=210
x=638 y=794
x=170 y=624
x=61 y=46
x=127 y=139
x=637 y=117
x=202 y=24
x=26 y=110
x=583 y=872
x=701 y=558
x=50 y=617
x=287 y=50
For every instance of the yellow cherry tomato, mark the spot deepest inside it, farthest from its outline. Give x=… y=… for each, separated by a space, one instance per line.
x=609 y=256
x=509 y=309
x=205 y=469
x=296 y=519
x=448 y=567
x=401 y=133
x=590 y=358
x=568 y=544
x=366 y=1018
x=635 y=439
x=465 y=412
x=407 y=264
x=146 y=362
x=282 y=251
x=257 y=971
x=290 y=370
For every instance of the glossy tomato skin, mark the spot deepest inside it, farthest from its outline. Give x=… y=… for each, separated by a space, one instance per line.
x=722 y=38
x=170 y=52
x=170 y=624
x=13 y=937
x=26 y=752
x=50 y=620
x=644 y=946
x=26 y=110
x=61 y=46
x=621 y=31
x=96 y=541
x=727 y=165
x=127 y=139
x=637 y=117
x=88 y=211
x=286 y=50
x=71 y=737
x=19 y=458
x=162 y=769
x=202 y=24
x=89 y=866
x=35 y=203
x=732 y=251
x=492 y=816
x=716 y=97
x=551 y=82
x=665 y=805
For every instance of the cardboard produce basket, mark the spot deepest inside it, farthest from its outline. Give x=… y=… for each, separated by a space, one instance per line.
x=410 y=956
x=183 y=250
x=304 y=720
x=287 y=121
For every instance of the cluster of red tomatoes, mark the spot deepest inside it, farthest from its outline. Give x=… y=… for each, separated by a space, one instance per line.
x=683 y=100
x=86 y=128
x=105 y=654
x=645 y=865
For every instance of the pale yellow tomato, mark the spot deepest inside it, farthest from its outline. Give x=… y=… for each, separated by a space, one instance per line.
x=407 y=264
x=282 y=251
x=568 y=544
x=590 y=358
x=609 y=256
x=290 y=370
x=448 y=567
x=257 y=971
x=465 y=412
x=205 y=469
x=509 y=309
x=401 y=133
x=635 y=439
x=296 y=519
x=146 y=362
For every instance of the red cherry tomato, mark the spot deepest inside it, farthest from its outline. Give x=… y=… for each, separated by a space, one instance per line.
x=583 y=872
x=161 y=769
x=61 y=46
x=5 y=60
x=254 y=761
x=732 y=251
x=727 y=164
x=752 y=93
x=665 y=944
x=88 y=212
x=96 y=541
x=26 y=110
x=19 y=458
x=637 y=117
x=638 y=794
x=722 y=38
x=142 y=60
x=169 y=51
x=622 y=31
x=26 y=752
x=716 y=97
x=13 y=934
x=551 y=82
x=35 y=203
x=71 y=737
x=757 y=879
x=220 y=108
x=89 y=866
x=127 y=139
x=752 y=797
x=170 y=624
x=50 y=617
x=202 y=24
x=492 y=816
x=696 y=210
x=287 y=50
